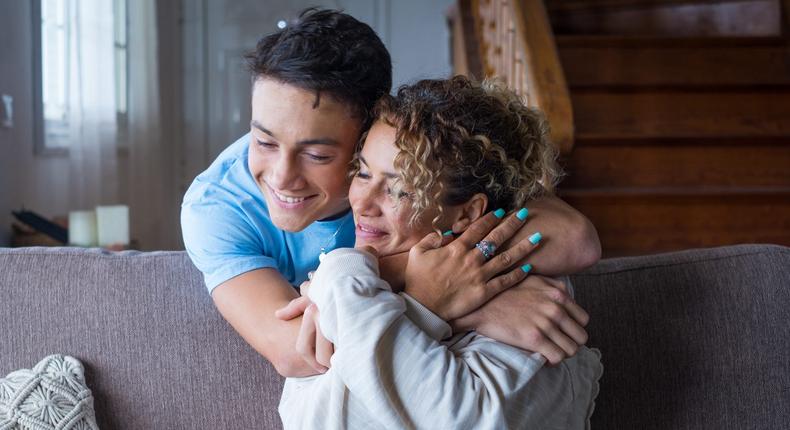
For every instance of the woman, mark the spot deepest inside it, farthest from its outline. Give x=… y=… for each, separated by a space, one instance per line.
x=442 y=153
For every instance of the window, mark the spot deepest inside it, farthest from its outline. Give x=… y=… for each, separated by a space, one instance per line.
x=55 y=73
x=56 y=30
x=121 y=84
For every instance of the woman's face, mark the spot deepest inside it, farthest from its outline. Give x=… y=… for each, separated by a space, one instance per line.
x=300 y=152
x=382 y=219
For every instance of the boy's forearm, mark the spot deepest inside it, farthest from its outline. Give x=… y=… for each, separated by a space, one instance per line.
x=569 y=240
x=248 y=302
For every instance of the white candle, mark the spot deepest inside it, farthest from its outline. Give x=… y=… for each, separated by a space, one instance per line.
x=112 y=225
x=82 y=228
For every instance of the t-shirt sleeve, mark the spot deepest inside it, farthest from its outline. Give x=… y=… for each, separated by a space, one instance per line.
x=222 y=242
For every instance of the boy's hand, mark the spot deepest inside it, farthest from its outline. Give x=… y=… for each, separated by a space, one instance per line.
x=536 y=315
x=311 y=345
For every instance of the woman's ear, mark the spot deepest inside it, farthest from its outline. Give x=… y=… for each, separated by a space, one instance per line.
x=470 y=211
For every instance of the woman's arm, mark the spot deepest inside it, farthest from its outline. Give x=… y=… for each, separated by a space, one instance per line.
x=401 y=373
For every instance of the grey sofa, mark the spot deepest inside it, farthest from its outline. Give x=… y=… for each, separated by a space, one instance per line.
x=691 y=340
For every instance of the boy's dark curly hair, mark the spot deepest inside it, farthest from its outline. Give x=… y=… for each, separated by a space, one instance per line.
x=330 y=52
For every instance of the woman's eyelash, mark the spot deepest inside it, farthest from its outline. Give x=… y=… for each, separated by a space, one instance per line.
x=363 y=175
x=401 y=194
x=265 y=144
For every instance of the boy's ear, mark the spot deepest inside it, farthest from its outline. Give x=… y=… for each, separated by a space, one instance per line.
x=470 y=211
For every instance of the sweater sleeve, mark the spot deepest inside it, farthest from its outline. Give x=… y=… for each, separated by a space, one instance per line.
x=400 y=370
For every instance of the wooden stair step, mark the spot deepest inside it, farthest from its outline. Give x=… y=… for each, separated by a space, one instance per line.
x=654 y=61
x=639 y=223
x=700 y=113
x=751 y=163
x=666 y=17
x=570 y=5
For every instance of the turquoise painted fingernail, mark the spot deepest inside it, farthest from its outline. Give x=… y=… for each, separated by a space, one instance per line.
x=499 y=213
x=526 y=268
x=522 y=214
x=447 y=233
x=535 y=238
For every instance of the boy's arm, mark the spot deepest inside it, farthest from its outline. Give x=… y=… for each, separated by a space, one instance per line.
x=248 y=303
x=569 y=244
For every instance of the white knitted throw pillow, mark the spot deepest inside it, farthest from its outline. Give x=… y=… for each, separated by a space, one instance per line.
x=51 y=396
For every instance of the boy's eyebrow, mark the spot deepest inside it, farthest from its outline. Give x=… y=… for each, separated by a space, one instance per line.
x=260 y=127
x=385 y=174
x=321 y=141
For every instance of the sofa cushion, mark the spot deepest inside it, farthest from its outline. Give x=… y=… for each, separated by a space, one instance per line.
x=696 y=339
x=52 y=395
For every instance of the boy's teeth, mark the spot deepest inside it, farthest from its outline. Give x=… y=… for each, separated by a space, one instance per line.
x=287 y=199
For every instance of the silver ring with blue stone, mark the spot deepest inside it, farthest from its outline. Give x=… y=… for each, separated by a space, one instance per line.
x=488 y=249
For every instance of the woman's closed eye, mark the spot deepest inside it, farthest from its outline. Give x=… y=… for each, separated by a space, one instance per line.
x=398 y=193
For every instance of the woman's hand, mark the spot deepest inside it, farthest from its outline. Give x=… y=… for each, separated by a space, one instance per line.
x=455 y=279
x=311 y=345
x=538 y=315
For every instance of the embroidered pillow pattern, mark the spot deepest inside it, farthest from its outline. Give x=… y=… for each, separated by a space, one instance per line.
x=51 y=396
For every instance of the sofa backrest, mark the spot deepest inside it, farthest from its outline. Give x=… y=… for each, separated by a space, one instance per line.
x=690 y=340
x=157 y=353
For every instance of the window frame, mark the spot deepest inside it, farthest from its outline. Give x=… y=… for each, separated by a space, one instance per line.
x=58 y=132
x=40 y=146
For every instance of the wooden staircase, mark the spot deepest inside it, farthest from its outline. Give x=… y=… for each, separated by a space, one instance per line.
x=678 y=142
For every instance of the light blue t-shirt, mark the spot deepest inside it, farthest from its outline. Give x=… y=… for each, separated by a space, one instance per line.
x=227 y=230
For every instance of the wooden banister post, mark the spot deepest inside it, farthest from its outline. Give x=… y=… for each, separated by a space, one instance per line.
x=545 y=77
x=513 y=40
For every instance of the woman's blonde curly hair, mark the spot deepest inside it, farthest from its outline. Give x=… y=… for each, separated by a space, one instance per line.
x=458 y=138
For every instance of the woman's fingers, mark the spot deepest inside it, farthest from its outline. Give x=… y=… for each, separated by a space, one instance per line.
x=509 y=257
x=506 y=230
x=431 y=241
x=305 y=341
x=510 y=279
x=293 y=309
x=479 y=229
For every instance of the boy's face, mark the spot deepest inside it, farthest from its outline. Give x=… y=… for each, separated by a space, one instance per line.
x=299 y=154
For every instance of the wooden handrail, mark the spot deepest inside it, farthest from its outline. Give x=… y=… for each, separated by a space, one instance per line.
x=514 y=41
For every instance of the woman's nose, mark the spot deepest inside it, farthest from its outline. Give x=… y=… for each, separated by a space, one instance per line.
x=367 y=203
